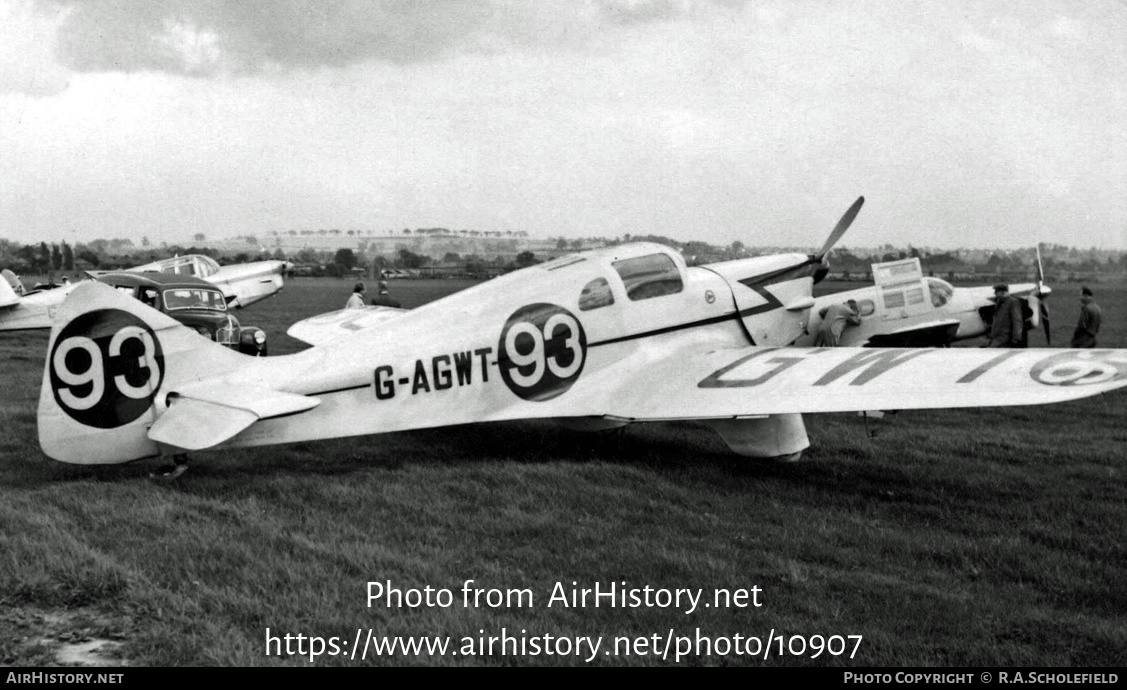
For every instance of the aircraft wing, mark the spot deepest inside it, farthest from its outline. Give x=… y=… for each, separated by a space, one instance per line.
x=762 y=381
x=658 y=384
x=927 y=334
x=318 y=330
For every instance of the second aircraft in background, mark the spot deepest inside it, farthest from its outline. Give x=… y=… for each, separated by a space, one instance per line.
x=906 y=309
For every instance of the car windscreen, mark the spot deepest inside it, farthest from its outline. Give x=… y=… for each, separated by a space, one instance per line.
x=194 y=298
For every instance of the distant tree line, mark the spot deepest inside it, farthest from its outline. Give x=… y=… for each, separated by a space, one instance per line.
x=441 y=232
x=44 y=258
x=108 y=254
x=40 y=258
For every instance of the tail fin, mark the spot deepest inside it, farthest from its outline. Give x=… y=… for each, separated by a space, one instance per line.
x=111 y=361
x=8 y=296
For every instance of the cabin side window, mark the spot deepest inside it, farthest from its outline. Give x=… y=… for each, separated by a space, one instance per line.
x=595 y=294
x=649 y=276
x=180 y=267
x=940 y=292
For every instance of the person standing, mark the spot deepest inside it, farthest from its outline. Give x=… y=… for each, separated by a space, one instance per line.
x=1090 y=317
x=357 y=299
x=384 y=298
x=835 y=318
x=1026 y=322
x=1006 y=329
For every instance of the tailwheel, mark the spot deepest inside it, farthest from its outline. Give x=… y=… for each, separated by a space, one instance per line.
x=174 y=469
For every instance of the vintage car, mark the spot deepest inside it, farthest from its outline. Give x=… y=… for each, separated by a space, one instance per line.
x=193 y=302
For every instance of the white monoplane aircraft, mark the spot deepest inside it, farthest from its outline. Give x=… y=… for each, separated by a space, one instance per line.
x=595 y=340
x=32 y=310
x=241 y=284
x=905 y=309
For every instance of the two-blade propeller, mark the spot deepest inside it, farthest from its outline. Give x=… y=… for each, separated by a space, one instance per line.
x=1037 y=300
x=838 y=231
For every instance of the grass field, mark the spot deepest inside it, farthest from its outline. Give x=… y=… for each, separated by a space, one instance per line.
x=950 y=538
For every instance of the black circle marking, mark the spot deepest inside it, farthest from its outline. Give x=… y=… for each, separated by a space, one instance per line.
x=112 y=366
x=542 y=351
x=1079 y=369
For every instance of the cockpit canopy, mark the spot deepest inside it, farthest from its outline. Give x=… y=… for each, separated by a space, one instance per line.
x=941 y=291
x=649 y=276
x=646 y=270
x=191 y=265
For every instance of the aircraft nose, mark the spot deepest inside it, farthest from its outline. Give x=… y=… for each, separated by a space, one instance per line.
x=822 y=271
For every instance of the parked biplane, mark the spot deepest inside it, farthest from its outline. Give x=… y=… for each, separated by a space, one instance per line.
x=594 y=340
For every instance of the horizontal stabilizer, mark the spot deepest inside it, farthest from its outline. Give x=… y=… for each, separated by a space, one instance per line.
x=198 y=424
x=207 y=415
x=262 y=402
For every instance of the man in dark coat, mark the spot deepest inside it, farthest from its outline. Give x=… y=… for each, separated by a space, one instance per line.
x=1006 y=329
x=1090 y=317
x=384 y=298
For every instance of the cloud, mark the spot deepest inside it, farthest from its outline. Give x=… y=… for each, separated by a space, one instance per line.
x=26 y=45
x=642 y=11
x=202 y=37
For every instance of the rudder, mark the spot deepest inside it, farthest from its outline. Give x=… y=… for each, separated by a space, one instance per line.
x=110 y=359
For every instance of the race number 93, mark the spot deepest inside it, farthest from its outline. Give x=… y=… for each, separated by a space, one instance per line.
x=1081 y=368
x=542 y=351
x=105 y=368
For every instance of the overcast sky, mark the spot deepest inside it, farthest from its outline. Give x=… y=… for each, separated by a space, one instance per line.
x=978 y=123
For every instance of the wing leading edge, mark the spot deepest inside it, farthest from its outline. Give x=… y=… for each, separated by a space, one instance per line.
x=764 y=381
